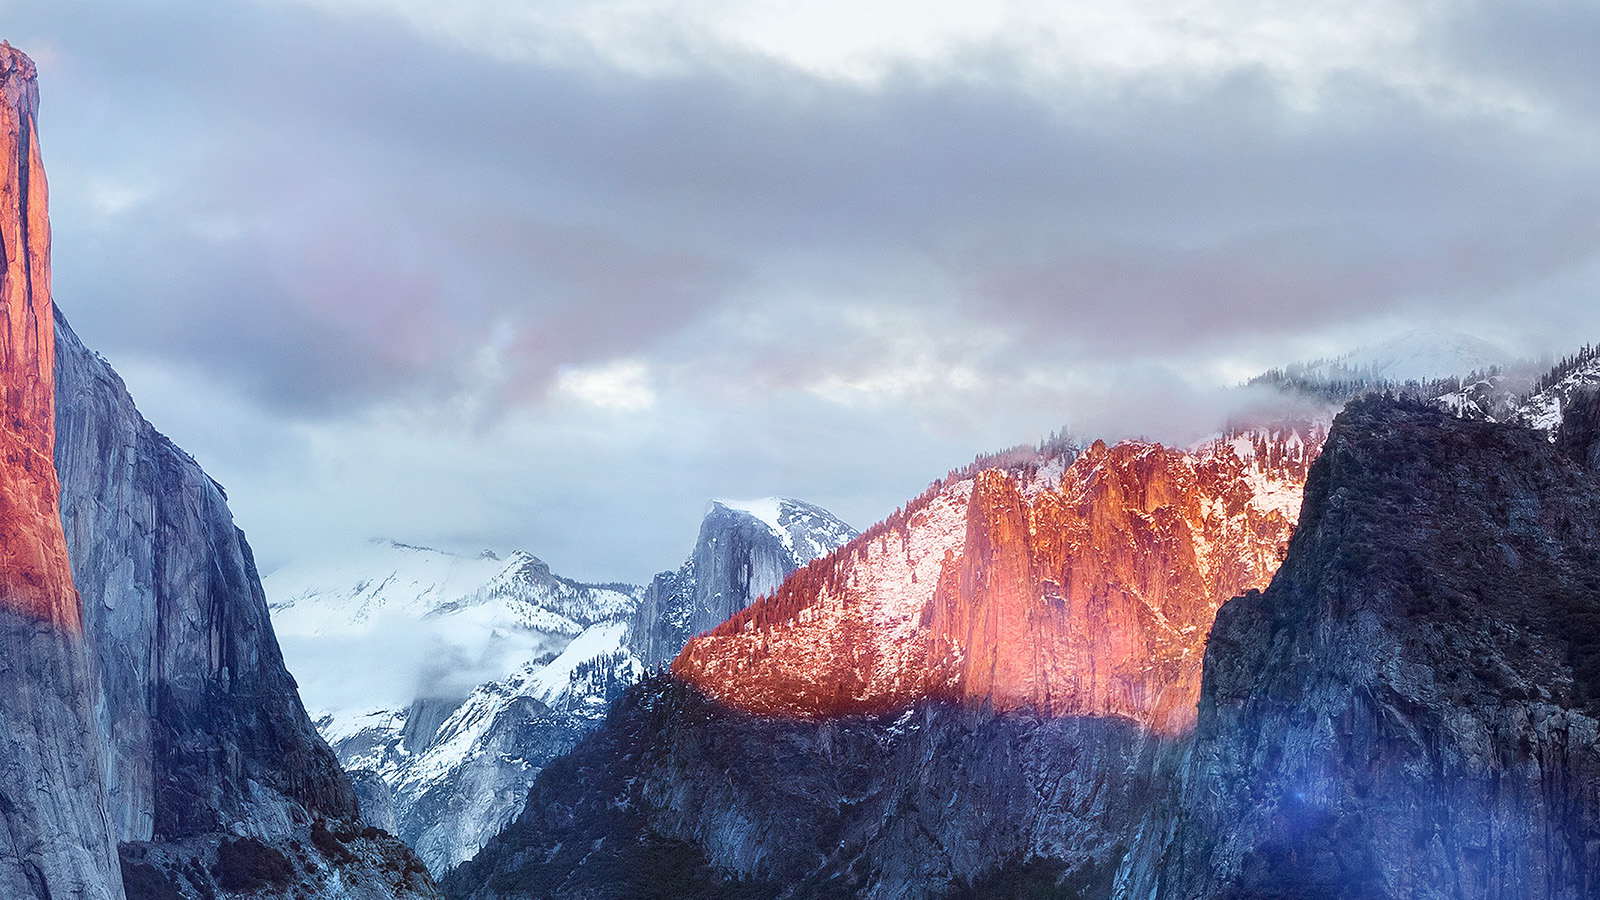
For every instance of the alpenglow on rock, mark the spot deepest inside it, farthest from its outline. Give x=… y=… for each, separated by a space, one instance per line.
x=57 y=840
x=986 y=688
x=1070 y=584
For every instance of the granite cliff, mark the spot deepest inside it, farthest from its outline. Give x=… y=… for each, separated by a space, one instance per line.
x=1071 y=584
x=57 y=839
x=985 y=690
x=158 y=745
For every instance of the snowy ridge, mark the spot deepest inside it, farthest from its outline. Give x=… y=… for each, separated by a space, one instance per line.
x=453 y=680
x=1542 y=408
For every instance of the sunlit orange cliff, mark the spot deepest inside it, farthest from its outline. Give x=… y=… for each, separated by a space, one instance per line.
x=1084 y=588
x=35 y=579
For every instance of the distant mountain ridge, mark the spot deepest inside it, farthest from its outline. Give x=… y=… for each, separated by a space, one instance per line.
x=451 y=764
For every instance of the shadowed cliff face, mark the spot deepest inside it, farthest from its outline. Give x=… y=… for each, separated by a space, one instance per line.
x=677 y=796
x=1410 y=709
x=1081 y=589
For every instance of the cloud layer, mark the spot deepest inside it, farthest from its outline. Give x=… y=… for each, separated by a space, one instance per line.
x=552 y=275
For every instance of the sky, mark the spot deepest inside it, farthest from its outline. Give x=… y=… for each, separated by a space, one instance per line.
x=552 y=275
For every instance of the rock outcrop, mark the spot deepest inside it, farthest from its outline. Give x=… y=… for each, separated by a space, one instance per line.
x=55 y=833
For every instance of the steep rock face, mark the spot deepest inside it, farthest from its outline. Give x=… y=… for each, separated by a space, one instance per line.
x=1070 y=587
x=743 y=552
x=55 y=834
x=1409 y=709
x=203 y=726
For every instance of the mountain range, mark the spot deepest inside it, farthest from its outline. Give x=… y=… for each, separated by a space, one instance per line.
x=1346 y=648
x=1403 y=708
x=516 y=663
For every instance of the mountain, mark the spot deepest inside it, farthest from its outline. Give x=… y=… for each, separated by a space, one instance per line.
x=518 y=663
x=58 y=838
x=158 y=745
x=446 y=682
x=998 y=673
x=1417 y=355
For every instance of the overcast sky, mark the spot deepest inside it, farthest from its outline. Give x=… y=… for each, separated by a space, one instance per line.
x=550 y=275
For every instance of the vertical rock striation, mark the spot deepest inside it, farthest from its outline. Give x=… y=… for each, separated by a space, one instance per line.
x=157 y=713
x=55 y=835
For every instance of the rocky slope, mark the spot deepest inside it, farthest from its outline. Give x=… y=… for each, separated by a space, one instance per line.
x=679 y=796
x=452 y=762
x=57 y=838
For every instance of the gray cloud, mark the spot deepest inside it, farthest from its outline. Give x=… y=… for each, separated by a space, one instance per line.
x=831 y=288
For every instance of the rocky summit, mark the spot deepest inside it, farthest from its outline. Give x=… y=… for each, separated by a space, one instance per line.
x=58 y=840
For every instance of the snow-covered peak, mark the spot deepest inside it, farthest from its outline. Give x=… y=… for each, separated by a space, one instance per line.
x=389 y=578
x=807 y=531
